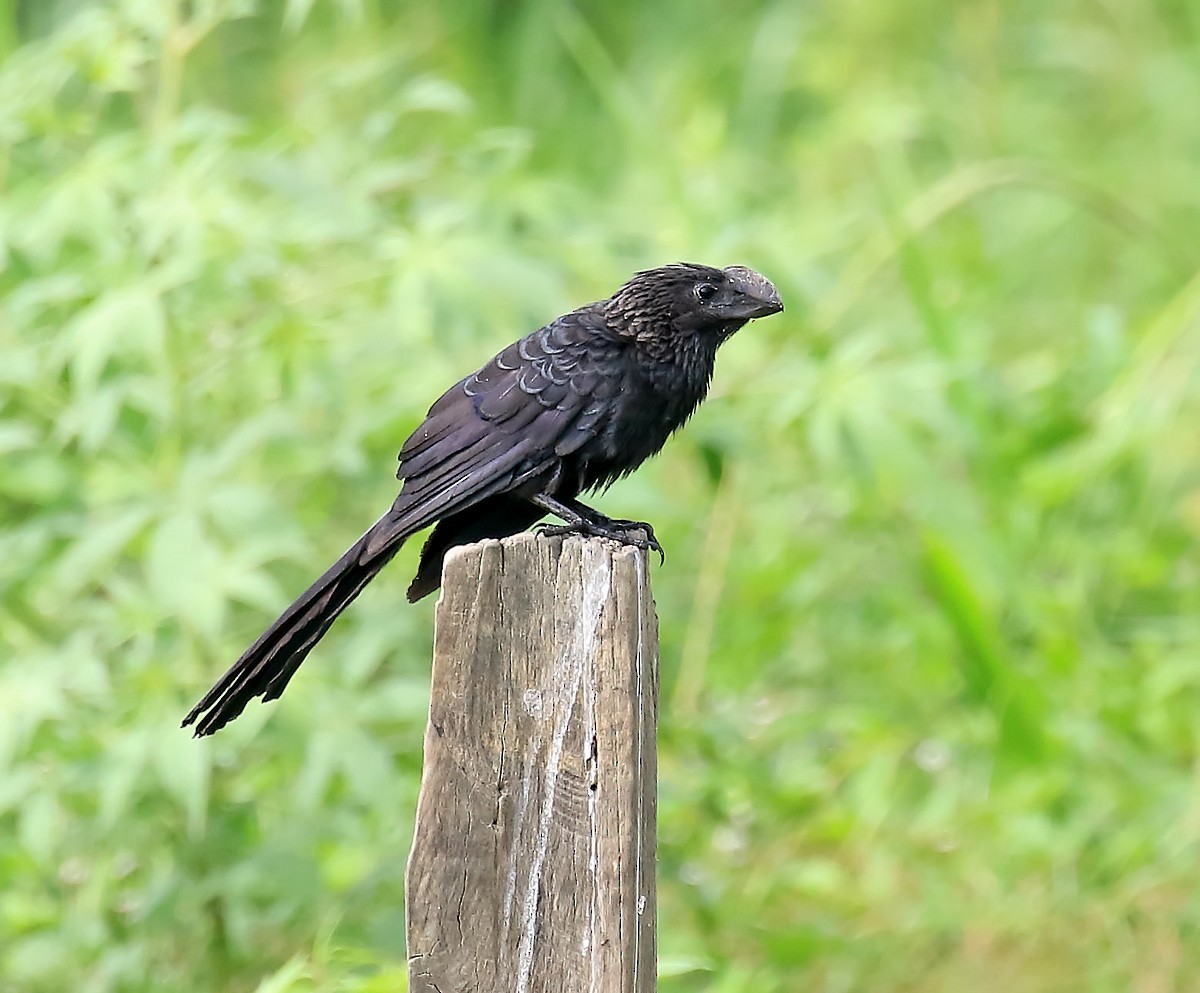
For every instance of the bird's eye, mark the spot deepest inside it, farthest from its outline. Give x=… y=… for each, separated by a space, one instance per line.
x=706 y=291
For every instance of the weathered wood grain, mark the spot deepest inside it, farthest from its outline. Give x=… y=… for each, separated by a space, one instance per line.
x=533 y=865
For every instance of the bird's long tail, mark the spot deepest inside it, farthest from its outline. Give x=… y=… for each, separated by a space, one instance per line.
x=268 y=664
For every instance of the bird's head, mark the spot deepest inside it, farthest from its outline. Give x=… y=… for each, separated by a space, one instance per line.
x=695 y=298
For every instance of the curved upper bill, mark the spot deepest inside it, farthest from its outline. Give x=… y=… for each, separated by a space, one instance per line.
x=762 y=299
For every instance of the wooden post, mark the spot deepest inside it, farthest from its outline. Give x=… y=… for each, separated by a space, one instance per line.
x=533 y=864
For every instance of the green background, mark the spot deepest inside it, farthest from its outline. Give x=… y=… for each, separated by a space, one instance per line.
x=931 y=613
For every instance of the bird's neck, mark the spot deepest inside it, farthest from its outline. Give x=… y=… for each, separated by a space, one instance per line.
x=678 y=371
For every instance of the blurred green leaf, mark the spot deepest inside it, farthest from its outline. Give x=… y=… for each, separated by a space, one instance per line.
x=291 y=976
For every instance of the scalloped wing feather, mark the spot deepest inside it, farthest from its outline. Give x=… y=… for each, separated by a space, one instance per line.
x=533 y=404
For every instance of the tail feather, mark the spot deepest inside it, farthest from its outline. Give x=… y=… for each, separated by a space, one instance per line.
x=267 y=665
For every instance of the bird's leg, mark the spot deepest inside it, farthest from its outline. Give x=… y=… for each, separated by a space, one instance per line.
x=613 y=523
x=622 y=527
x=582 y=519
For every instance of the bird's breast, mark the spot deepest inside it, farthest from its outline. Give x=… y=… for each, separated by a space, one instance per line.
x=656 y=399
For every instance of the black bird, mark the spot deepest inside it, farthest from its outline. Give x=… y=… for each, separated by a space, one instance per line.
x=572 y=407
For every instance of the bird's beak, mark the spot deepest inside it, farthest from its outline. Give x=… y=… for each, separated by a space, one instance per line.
x=769 y=302
x=760 y=298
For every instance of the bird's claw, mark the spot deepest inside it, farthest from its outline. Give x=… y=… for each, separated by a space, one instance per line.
x=649 y=543
x=622 y=531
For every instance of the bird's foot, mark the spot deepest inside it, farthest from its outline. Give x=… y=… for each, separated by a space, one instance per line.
x=639 y=534
x=632 y=527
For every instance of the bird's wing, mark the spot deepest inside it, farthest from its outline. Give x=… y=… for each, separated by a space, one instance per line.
x=537 y=401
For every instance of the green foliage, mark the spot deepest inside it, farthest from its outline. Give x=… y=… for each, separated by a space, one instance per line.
x=929 y=619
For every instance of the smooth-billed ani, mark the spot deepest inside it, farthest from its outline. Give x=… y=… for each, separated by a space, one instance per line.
x=571 y=407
